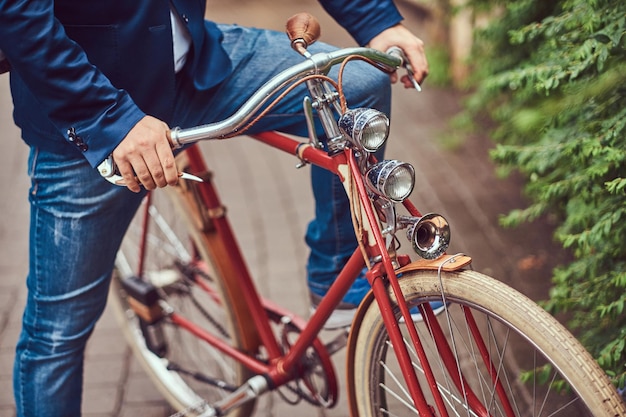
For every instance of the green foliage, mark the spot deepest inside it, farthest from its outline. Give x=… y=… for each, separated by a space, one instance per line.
x=439 y=62
x=552 y=76
x=544 y=376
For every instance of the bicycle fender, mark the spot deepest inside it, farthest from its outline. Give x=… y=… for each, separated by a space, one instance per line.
x=446 y=263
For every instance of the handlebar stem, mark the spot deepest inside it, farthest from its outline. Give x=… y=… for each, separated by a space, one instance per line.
x=324 y=111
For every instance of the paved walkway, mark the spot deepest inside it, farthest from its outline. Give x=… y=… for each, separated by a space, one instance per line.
x=458 y=183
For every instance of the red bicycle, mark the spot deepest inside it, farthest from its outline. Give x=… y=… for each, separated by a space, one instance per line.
x=213 y=345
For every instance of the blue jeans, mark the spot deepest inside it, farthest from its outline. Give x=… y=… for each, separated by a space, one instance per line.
x=78 y=220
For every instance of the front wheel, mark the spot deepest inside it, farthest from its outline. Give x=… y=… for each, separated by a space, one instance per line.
x=503 y=356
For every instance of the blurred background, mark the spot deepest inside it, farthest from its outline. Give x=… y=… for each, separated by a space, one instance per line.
x=269 y=202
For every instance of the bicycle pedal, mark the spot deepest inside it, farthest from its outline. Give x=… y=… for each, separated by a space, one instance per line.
x=143 y=298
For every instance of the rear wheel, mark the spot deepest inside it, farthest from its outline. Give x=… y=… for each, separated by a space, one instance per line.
x=165 y=248
x=538 y=367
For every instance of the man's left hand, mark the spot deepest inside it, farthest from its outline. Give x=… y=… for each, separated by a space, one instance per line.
x=412 y=46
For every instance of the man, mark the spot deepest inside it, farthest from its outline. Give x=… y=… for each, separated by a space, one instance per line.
x=94 y=78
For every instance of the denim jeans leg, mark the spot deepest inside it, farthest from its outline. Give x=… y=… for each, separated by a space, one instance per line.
x=77 y=221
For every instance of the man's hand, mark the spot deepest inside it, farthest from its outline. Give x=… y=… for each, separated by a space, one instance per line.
x=412 y=46
x=145 y=156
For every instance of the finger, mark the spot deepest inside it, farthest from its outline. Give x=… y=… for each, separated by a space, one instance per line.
x=168 y=135
x=138 y=173
x=406 y=81
x=154 y=170
x=147 y=171
x=128 y=175
x=168 y=164
x=419 y=65
x=421 y=75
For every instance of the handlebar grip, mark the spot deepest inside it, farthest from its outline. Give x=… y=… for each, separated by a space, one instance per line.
x=398 y=53
x=303 y=30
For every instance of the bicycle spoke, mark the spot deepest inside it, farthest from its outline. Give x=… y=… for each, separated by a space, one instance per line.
x=179 y=248
x=397 y=397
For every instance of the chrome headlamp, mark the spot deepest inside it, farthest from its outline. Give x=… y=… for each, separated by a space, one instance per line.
x=368 y=128
x=391 y=179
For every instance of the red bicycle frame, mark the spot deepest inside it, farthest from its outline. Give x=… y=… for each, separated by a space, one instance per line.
x=280 y=368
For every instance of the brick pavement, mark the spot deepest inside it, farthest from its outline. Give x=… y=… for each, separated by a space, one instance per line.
x=457 y=182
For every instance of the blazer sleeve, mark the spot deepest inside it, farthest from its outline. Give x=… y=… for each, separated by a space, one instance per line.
x=363 y=19
x=75 y=95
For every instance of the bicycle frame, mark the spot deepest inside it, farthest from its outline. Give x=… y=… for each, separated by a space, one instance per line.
x=281 y=367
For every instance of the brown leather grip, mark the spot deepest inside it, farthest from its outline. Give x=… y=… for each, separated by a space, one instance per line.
x=303 y=30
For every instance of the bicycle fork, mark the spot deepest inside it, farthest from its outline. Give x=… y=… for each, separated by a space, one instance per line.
x=447 y=348
x=381 y=295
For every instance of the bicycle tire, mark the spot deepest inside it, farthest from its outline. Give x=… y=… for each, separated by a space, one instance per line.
x=507 y=320
x=174 y=239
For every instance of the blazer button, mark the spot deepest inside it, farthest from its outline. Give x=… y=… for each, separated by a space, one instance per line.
x=76 y=140
x=185 y=18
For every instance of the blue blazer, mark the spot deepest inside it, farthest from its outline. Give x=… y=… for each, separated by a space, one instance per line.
x=84 y=72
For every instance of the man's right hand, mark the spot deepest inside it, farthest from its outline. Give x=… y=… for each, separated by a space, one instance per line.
x=145 y=156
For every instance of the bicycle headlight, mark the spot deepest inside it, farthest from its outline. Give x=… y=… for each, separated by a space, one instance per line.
x=391 y=179
x=367 y=128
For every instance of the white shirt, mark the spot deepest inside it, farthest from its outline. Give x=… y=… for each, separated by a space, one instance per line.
x=182 y=41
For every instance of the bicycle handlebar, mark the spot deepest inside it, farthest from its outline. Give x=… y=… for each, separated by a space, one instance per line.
x=315 y=64
x=319 y=63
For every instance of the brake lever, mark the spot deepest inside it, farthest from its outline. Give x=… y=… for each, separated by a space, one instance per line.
x=108 y=170
x=398 y=52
